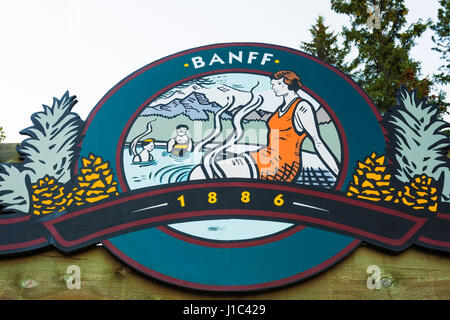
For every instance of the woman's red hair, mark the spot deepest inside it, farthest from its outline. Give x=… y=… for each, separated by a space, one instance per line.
x=289 y=77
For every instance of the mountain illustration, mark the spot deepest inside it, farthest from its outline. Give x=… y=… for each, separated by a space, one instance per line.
x=195 y=106
x=198 y=102
x=256 y=115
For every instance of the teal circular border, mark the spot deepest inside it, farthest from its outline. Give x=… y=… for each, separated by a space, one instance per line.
x=290 y=259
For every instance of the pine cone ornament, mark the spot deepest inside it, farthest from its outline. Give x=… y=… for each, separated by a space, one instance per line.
x=48 y=196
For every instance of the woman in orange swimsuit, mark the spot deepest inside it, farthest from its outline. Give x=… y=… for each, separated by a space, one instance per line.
x=280 y=160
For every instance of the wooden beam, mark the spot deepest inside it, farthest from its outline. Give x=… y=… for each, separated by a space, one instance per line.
x=413 y=274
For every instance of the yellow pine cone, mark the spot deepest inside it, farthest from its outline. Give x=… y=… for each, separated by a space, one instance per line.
x=95 y=183
x=371 y=181
x=47 y=196
x=419 y=194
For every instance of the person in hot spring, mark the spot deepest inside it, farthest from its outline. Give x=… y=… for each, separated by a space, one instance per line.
x=181 y=144
x=288 y=126
x=145 y=155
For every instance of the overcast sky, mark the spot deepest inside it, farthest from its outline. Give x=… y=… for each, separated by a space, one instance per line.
x=87 y=47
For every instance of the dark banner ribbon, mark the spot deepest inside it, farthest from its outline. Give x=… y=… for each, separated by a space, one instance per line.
x=159 y=206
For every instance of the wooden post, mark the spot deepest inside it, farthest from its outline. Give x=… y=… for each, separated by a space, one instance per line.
x=8 y=152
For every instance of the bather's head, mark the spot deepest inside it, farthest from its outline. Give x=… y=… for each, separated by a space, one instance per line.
x=149 y=144
x=285 y=81
x=182 y=130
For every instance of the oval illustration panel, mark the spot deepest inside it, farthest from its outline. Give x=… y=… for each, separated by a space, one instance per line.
x=231 y=114
x=207 y=120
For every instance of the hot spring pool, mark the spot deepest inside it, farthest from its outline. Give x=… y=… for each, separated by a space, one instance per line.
x=165 y=169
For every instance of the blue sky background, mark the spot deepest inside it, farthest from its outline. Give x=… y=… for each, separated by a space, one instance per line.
x=50 y=46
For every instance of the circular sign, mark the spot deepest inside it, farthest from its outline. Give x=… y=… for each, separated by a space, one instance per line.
x=230 y=113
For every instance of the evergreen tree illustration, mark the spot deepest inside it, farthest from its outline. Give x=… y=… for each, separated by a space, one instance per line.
x=52 y=145
x=14 y=186
x=50 y=150
x=417 y=142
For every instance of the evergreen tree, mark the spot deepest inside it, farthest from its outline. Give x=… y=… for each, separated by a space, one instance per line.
x=324 y=45
x=383 y=63
x=442 y=40
x=2 y=134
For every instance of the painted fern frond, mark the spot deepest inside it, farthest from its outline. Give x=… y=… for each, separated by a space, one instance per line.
x=14 y=185
x=417 y=144
x=54 y=136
